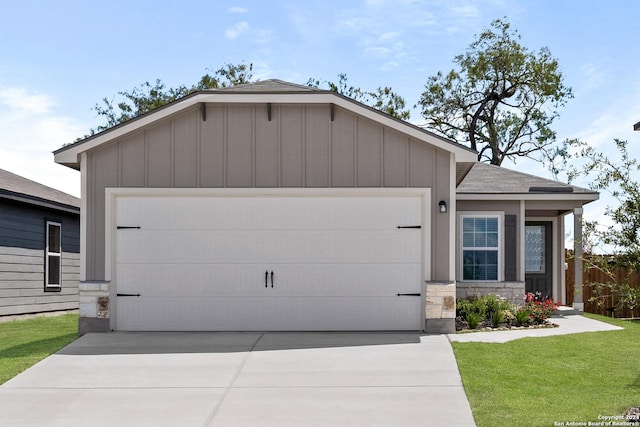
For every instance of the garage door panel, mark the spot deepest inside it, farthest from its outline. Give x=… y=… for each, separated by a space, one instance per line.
x=199 y=263
x=191 y=280
x=279 y=213
x=308 y=280
x=253 y=314
x=271 y=246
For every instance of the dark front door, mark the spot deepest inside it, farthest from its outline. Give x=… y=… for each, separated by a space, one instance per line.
x=538 y=258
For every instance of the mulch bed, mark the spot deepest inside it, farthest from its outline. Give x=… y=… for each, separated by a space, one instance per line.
x=463 y=326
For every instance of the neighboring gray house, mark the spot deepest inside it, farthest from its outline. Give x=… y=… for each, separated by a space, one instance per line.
x=274 y=206
x=39 y=247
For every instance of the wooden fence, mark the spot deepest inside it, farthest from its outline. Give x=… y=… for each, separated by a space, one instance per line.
x=595 y=276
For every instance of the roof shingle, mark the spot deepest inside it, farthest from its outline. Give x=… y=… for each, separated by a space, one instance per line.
x=490 y=179
x=27 y=190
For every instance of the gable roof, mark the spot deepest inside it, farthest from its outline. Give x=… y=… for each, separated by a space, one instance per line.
x=486 y=180
x=271 y=85
x=267 y=91
x=16 y=187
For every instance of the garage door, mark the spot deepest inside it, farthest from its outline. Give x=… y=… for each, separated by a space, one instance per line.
x=269 y=263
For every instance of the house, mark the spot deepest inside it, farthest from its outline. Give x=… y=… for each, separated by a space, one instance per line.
x=274 y=206
x=39 y=247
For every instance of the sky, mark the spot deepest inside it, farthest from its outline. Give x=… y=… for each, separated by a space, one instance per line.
x=59 y=59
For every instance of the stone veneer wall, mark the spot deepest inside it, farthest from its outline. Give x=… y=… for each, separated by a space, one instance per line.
x=93 y=307
x=512 y=291
x=441 y=308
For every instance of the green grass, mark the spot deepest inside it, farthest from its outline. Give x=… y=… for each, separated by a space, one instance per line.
x=559 y=379
x=24 y=343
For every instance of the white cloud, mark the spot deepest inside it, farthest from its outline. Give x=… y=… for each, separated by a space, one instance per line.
x=237 y=9
x=388 y=36
x=257 y=35
x=391 y=65
x=30 y=129
x=592 y=78
x=466 y=11
x=19 y=100
x=377 y=51
x=237 y=30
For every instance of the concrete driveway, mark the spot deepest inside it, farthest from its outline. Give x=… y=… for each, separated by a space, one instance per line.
x=245 y=379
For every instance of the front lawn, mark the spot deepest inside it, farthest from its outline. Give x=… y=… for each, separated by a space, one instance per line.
x=553 y=381
x=23 y=343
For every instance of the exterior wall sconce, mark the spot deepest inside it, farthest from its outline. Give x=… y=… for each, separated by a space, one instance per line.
x=443 y=206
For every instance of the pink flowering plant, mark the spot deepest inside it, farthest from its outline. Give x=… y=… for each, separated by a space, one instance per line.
x=541 y=308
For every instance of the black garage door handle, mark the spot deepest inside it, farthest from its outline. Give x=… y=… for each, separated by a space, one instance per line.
x=408 y=295
x=272 y=279
x=266 y=278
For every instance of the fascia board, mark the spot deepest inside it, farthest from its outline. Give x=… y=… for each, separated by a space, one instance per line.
x=70 y=155
x=586 y=197
x=41 y=203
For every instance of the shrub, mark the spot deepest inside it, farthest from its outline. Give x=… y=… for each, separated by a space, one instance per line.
x=479 y=306
x=462 y=307
x=508 y=316
x=522 y=315
x=474 y=319
x=497 y=317
x=541 y=307
x=492 y=304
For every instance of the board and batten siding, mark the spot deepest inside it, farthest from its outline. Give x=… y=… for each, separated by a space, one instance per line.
x=22 y=260
x=237 y=146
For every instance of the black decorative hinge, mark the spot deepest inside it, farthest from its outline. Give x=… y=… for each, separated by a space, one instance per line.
x=128 y=295
x=408 y=295
x=127 y=227
x=409 y=226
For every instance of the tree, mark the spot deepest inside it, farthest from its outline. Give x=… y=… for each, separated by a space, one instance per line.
x=383 y=98
x=500 y=100
x=621 y=240
x=148 y=96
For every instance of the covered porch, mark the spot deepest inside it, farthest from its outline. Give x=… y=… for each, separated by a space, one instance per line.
x=528 y=223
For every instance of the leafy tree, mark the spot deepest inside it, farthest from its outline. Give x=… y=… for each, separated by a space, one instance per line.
x=621 y=178
x=383 y=98
x=500 y=100
x=148 y=96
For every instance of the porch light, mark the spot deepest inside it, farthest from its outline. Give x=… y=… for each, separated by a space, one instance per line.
x=443 y=206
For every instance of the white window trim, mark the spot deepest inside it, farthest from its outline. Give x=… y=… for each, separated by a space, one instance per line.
x=481 y=214
x=48 y=254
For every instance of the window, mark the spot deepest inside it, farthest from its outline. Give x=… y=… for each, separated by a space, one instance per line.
x=534 y=248
x=53 y=257
x=480 y=247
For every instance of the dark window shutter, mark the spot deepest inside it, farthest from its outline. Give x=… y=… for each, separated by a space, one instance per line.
x=510 y=248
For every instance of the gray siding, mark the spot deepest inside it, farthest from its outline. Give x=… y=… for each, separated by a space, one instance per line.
x=238 y=146
x=22 y=258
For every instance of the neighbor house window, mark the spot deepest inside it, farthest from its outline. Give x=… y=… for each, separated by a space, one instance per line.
x=53 y=257
x=480 y=247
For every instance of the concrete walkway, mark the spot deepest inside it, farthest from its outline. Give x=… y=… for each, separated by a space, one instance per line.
x=570 y=324
x=242 y=379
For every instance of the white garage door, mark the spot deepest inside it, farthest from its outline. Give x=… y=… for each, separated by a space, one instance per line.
x=268 y=263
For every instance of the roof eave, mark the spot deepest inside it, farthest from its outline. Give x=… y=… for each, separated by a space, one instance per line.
x=40 y=202
x=585 y=197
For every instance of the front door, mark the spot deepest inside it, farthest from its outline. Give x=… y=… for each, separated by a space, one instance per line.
x=538 y=257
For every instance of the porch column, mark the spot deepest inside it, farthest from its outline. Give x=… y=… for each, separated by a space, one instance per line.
x=578 y=303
